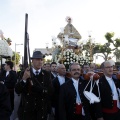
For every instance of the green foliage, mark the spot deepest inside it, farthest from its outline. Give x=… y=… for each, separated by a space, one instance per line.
x=106 y=49
x=96 y=49
x=117 y=53
x=8 y=41
x=109 y=36
x=17 y=58
x=117 y=44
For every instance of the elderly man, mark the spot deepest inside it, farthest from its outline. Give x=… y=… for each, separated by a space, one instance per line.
x=109 y=93
x=57 y=82
x=35 y=88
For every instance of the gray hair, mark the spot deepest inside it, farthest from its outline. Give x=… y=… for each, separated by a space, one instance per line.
x=74 y=63
x=103 y=64
x=59 y=65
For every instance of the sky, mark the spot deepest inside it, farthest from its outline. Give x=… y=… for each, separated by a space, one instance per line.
x=46 y=17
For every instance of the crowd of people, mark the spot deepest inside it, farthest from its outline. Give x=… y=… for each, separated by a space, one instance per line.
x=49 y=92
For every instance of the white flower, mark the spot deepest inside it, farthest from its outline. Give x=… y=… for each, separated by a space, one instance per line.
x=67 y=59
x=74 y=57
x=65 y=63
x=67 y=53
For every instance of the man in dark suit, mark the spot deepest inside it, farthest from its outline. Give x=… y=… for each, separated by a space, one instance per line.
x=9 y=78
x=53 y=66
x=109 y=92
x=57 y=82
x=72 y=103
x=5 y=106
x=35 y=88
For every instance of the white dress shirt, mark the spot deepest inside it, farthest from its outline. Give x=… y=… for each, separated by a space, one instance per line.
x=61 y=79
x=114 y=90
x=34 y=71
x=75 y=83
x=78 y=100
x=7 y=73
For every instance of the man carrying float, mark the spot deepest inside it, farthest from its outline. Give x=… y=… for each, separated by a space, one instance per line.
x=108 y=97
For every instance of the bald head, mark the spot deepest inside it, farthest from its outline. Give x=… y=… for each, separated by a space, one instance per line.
x=108 y=68
x=108 y=62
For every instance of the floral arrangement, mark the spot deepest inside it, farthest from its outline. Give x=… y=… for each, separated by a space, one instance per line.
x=68 y=56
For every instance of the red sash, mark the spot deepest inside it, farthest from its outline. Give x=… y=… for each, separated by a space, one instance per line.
x=78 y=109
x=113 y=110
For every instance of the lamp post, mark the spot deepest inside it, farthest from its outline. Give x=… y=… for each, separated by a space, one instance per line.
x=15 y=55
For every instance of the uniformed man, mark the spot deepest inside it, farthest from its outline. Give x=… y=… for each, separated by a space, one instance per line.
x=35 y=90
x=109 y=93
x=57 y=82
x=72 y=103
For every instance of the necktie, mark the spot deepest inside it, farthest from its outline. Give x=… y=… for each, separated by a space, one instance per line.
x=37 y=73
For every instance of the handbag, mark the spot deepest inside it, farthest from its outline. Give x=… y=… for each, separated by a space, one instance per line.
x=89 y=94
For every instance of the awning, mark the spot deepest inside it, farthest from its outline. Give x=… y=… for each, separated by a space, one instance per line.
x=5 y=50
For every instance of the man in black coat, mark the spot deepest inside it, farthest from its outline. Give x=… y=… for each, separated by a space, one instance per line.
x=57 y=82
x=53 y=71
x=109 y=93
x=9 y=78
x=35 y=91
x=5 y=106
x=73 y=105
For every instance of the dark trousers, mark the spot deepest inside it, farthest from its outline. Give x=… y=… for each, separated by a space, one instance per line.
x=111 y=116
x=56 y=113
x=12 y=99
x=77 y=117
x=32 y=115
